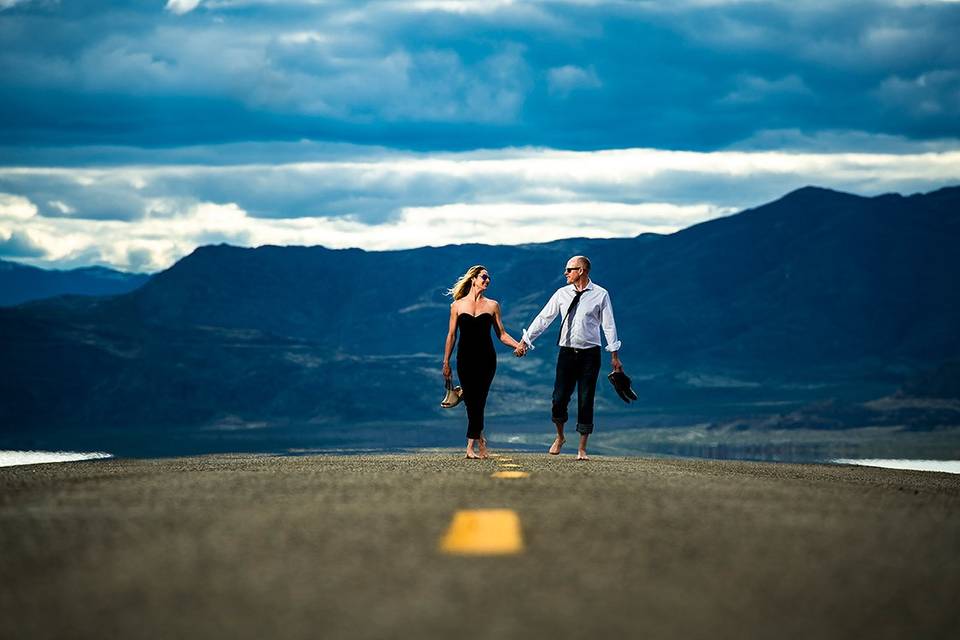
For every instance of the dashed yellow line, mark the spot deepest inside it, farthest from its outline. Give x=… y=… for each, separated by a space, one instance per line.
x=509 y=466
x=510 y=474
x=483 y=532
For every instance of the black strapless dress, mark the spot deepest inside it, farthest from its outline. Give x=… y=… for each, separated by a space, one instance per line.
x=476 y=366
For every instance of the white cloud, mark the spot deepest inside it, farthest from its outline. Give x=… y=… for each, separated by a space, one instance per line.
x=62 y=207
x=355 y=70
x=153 y=244
x=833 y=140
x=752 y=89
x=16 y=207
x=348 y=75
x=563 y=80
x=9 y=4
x=456 y=6
x=158 y=213
x=928 y=94
x=181 y=7
x=509 y=223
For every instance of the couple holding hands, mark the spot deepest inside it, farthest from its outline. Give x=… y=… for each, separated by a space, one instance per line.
x=584 y=308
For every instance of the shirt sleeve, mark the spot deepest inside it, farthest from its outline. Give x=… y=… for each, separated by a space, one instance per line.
x=543 y=319
x=608 y=324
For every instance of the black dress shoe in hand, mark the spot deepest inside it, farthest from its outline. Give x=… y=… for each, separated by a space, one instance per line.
x=621 y=384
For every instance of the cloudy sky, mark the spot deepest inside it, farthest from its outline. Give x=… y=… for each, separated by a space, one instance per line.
x=132 y=132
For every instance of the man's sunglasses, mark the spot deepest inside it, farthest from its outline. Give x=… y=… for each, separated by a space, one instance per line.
x=569 y=269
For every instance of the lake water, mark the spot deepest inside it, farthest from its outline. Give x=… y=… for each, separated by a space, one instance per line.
x=944 y=466
x=13 y=458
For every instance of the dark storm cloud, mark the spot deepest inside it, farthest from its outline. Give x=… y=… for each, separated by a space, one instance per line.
x=399 y=74
x=19 y=245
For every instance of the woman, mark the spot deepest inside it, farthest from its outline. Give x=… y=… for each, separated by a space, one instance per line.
x=473 y=314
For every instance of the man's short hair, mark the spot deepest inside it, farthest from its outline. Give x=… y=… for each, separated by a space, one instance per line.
x=584 y=262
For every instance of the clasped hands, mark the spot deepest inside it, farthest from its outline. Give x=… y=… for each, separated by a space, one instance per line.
x=521 y=350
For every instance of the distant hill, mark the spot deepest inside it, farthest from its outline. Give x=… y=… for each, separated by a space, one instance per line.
x=814 y=292
x=22 y=283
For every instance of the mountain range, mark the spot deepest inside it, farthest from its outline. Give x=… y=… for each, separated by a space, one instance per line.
x=21 y=283
x=818 y=295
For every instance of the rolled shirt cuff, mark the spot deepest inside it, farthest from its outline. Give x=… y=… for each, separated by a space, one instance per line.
x=526 y=340
x=613 y=347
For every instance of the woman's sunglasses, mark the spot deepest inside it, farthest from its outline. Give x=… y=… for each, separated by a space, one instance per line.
x=485 y=277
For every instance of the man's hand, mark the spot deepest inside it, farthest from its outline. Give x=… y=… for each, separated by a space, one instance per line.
x=521 y=350
x=615 y=362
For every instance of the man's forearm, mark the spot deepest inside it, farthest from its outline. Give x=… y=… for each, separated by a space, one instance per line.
x=538 y=326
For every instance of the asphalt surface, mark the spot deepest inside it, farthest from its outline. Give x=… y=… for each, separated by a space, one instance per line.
x=349 y=547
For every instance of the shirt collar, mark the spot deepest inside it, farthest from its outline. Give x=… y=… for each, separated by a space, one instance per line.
x=589 y=286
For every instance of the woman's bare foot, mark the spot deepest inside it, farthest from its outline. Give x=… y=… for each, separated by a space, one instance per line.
x=483 y=448
x=582 y=455
x=471 y=454
x=557 y=444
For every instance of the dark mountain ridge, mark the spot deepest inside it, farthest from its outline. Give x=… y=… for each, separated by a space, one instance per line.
x=22 y=283
x=817 y=285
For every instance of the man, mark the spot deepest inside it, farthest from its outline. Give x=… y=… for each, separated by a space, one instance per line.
x=584 y=308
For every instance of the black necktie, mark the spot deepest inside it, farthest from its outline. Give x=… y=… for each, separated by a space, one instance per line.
x=568 y=319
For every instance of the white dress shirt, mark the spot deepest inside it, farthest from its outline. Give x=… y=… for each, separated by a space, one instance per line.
x=582 y=331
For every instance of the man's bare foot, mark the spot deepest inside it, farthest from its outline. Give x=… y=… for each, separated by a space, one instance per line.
x=483 y=448
x=557 y=444
x=471 y=455
x=582 y=455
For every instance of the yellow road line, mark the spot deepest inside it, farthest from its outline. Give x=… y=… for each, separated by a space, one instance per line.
x=509 y=466
x=483 y=532
x=510 y=474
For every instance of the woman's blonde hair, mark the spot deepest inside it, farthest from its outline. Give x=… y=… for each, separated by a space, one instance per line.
x=462 y=286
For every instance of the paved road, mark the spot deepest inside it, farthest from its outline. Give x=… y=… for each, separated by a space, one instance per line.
x=349 y=547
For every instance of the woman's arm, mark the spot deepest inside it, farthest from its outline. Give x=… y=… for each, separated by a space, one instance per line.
x=505 y=337
x=451 y=338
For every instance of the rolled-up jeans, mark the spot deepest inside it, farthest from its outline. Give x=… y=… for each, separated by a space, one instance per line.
x=576 y=368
